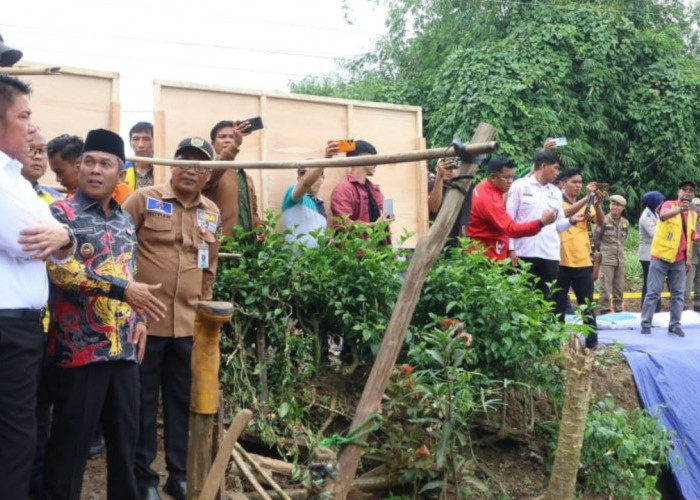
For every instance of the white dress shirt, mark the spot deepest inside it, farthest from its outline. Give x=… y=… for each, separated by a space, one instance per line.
x=24 y=281
x=527 y=199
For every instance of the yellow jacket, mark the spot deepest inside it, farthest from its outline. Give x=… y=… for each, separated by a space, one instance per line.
x=668 y=236
x=130 y=178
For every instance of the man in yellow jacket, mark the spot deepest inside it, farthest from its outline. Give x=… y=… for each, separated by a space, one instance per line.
x=671 y=249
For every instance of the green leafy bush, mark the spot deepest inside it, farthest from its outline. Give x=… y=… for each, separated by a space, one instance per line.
x=623 y=452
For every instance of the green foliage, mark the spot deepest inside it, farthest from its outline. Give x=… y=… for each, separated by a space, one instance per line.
x=633 y=268
x=623 y=452
x=429 y=405
x=514 y=328
x=620 y=79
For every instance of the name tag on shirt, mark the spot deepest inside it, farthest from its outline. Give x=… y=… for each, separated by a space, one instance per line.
x=207 y=220
x=159 y=206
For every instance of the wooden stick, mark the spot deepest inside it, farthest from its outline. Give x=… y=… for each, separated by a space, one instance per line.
x=262 y=473
x=218 y=468
x=249 y=475
x=53 y=70
x=428 y=250
x=356 y=161
x=366 y=484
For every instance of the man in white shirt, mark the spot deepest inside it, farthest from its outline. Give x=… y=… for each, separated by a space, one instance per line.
x=28 y=235
x=528 y=198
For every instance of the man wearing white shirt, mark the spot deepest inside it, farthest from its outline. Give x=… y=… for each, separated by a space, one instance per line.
x=28 y=235
x=528 y=197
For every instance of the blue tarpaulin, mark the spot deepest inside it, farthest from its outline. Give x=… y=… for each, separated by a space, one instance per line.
x=666 y=370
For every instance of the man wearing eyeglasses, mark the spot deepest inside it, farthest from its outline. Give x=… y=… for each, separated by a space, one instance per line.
x=177 y=229
x=34 y=164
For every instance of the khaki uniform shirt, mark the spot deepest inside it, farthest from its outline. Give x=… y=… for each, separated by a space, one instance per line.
x=610 y=240
x=223 y=191
x=169 y=235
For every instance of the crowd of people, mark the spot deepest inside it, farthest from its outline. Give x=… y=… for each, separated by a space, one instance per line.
x=103 y=275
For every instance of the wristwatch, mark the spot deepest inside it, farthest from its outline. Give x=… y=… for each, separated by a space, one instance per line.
x=71 y=238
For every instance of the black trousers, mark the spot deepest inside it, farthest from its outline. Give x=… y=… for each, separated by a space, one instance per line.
x=21 y=350
x=546 y=270
x=581 y=280
x=99 y=393
x=43 y=427
x=165 y=370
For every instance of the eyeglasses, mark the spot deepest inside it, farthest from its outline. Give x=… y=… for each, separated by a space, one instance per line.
x=37 y=151
x=198 y=169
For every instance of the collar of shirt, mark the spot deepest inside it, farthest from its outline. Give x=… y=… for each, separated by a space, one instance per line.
x=88 y=203
x=10 y=165
x=167 y=193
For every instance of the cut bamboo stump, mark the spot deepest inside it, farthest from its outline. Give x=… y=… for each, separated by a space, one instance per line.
x=577 y=393
x=427 y=251
x=204 y=394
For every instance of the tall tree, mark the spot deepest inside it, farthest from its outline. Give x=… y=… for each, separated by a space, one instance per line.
x=619 y=78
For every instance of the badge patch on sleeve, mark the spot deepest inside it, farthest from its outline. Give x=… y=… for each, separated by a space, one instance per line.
x=208 y=220
x=159 y=206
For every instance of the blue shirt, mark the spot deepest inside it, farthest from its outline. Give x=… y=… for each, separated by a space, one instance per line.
x=302 y=217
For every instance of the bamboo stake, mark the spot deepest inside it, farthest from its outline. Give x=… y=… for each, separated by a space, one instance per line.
x=428 y=250
x=53 y=70
x=271 y=482
x=356 y=161
x=249 y=476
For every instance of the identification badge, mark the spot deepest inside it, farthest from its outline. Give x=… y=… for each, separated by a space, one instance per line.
x=203 y=256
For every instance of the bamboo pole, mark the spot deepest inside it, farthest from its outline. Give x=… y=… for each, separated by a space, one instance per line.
x=204 y=395
x=355 y=161
x=249 y=476
x=30 y=70
x=427 y=251
x=268 y=479
x=577 y=394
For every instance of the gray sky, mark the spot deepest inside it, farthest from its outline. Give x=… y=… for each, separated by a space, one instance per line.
x=258 y=44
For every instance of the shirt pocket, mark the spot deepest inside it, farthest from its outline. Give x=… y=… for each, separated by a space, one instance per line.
x=158 y=229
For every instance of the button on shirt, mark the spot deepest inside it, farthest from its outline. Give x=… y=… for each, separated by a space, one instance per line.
x=169 y=234
x=527 y=199
x=24 y=280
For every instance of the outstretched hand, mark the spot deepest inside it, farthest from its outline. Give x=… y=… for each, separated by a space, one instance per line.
x=43 y=239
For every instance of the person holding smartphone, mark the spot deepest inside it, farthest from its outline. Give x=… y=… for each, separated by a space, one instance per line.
x=358 y=198
x=445 y=170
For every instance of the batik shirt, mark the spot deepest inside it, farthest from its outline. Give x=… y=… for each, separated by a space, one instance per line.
x=90 y=323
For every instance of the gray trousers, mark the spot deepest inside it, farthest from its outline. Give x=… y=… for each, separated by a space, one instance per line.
x=658 y=272
x=692 y=283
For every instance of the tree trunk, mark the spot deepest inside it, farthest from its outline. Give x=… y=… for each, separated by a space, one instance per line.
x=577 y=393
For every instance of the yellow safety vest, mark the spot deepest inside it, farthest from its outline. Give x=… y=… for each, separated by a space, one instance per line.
x=130 y=177
x=665 y=244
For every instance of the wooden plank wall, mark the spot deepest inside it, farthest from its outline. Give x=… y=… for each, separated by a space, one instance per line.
x=298 y=127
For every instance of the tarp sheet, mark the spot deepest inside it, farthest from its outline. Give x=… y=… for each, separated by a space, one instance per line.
x=666 y=370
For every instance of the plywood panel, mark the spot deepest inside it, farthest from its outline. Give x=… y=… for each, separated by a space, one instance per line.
x=74 y=102
x=298 y=127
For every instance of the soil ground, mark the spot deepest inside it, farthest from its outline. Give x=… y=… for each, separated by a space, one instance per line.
x=514 y=467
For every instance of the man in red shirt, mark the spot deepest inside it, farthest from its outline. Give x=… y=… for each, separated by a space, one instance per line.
x=489 y=223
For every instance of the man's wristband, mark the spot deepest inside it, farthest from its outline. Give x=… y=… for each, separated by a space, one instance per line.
x=571 y=222
x=71 y=239
x=540 y=223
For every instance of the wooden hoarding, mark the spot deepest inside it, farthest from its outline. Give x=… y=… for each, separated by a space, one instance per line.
x=73 y=102
x=298 y=127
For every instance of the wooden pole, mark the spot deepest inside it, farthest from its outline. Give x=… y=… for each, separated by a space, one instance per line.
x=204 y=394
x=218 y=469
x=427 y=251
x=356 y=161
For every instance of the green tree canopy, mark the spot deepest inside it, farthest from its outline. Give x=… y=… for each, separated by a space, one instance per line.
x=618 y=78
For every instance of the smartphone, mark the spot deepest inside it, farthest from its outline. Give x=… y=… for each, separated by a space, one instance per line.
x=455 y=163
x=345 y=145
x=560 y=141
x=255 y=124
x=388 y=208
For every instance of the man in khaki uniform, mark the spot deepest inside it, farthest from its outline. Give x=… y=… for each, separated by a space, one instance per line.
x=177 y=230
x=610 y=239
